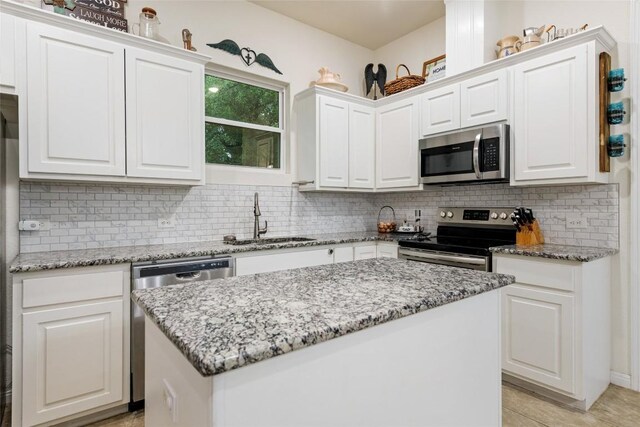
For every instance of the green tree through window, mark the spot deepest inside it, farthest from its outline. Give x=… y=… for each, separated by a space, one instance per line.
x=242 y=124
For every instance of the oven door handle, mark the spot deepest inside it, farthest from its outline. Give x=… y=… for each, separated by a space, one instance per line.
x=441 y=257
x=476 y=155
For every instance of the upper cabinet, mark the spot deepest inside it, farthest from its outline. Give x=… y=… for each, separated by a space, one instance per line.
x=165 y=124
x=100 y=105
x=555 y=121
x=472 y=102
x=484 y=99
x=336 y=141
x=397 y=135
x=441 y=110
x=76 y=120
x=7 y=53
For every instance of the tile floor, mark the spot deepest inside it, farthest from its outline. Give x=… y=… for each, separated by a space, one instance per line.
x=617 y=407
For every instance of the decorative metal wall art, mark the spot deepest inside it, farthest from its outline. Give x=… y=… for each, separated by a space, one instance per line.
x=379 y=77
x=248 y=55
x=60 y=5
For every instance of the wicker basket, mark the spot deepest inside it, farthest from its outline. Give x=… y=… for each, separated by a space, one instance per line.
x=388 y=224
x=402 y=83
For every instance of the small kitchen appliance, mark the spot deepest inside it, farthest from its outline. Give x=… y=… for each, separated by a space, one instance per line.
x=463 y=238
x=471 y=155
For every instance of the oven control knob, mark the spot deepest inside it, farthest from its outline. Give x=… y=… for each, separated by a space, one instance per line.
x=449 y=214
x=494 y=215
x=442 y=214
x=503 y=215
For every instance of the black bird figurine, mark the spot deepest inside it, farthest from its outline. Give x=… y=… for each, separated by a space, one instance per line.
x=380 y=78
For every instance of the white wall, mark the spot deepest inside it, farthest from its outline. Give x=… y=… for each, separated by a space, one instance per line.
x=414 y=49
x=298 y=50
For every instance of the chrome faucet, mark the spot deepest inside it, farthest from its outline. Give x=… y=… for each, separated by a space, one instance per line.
x=257 y=231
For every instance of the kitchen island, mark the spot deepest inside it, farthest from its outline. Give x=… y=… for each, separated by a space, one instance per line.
x=381 y=342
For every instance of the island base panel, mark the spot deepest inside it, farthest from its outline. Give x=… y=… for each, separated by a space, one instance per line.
x=440 y=367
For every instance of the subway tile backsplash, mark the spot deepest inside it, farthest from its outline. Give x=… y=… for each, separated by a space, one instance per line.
x=83 y=216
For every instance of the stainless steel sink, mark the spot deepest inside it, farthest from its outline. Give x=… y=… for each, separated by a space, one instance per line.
x=269 y=241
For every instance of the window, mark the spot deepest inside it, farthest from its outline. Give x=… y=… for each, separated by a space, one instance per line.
x=244 y=123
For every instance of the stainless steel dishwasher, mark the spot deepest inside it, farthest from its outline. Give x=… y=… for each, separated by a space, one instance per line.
x=155 y=274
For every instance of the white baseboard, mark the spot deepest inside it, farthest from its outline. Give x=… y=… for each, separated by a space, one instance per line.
x=622 y=380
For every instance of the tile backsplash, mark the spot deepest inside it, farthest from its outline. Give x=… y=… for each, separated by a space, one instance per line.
x=83 y=216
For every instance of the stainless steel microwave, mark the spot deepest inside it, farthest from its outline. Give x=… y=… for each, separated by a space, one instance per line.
x=468 y=155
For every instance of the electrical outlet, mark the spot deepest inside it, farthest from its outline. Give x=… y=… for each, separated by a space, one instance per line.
x=575 y=221
x=34 y=225
x=169 y=222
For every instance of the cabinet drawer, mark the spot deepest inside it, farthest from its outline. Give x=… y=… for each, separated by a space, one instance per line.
x=539 y=272
x=71 y=288
x=283 y=261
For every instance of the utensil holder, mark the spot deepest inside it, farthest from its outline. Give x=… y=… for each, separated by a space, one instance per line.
x=530 y=235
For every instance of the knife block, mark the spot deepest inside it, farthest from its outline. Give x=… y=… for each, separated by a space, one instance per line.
x=530 y=235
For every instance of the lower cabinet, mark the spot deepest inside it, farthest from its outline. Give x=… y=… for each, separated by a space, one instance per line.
x=364 y=252
x=71 y=352
x=283 y=261
x=306 y=257
x=555 y=326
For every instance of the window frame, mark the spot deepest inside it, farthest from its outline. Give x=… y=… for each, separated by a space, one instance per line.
x=252 y=175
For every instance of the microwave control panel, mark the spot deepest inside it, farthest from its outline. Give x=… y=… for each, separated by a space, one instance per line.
x=490 y=155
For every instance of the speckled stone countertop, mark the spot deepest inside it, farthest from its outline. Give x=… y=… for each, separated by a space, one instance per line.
x=220 y=325
x=553 y=251
x=51 y=260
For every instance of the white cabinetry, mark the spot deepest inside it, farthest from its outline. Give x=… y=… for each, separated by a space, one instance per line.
x=87 y=114
x=441 y=110
x=361 y=146
x=286 y=260
x=70 y=342
x=75 y=101
x=165 y=128
x=8 y=51
x=397 y=154
x=555 y=118
x=364 y=252
x=336 y=142
x=472 y=102
x=484 y=99
x=387 y=250
x=555 y=326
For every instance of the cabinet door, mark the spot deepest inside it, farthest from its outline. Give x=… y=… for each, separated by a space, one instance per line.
x=483 y=99
x=343 y=254
x=75 y=103
x=334 y=142
x=397 y=154
x=387 y=250
x=538 y=336
x=362 y=146
x=7 y=53
x=550 y=106
x=441 y=110
x=72 y=360
x=165 y=117
x=283 y=261
x=364 y=252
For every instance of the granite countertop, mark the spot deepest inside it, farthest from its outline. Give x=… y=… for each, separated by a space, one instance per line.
x=220 y=325
x=554 y=251
x=51 y=260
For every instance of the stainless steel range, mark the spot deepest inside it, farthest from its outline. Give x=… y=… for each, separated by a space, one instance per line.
x=463 y=238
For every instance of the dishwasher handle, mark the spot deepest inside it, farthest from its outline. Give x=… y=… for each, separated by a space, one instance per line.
x=189 y=276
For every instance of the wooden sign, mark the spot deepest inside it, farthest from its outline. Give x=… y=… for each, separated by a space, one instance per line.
x=114 y=7
x=94 y=16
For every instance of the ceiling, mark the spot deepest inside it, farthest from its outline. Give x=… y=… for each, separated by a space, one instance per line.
x=371 y=24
